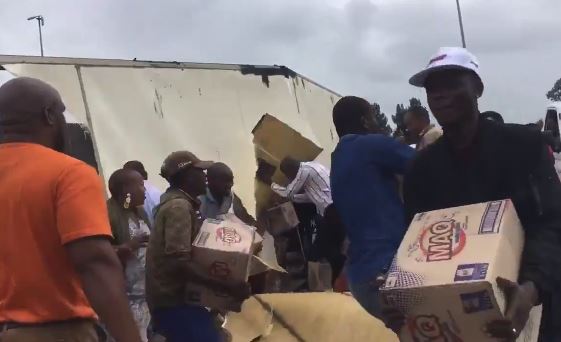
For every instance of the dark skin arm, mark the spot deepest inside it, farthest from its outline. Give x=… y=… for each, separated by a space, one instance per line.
x=539 y=269
x=101 y=274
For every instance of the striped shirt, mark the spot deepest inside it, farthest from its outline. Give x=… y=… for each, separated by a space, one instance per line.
x=311 y=185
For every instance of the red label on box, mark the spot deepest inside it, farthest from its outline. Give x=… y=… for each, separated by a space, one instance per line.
x=442 y=240
x=228 y=235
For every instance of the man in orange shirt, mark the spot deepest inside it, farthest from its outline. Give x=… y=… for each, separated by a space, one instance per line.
x=57 y=266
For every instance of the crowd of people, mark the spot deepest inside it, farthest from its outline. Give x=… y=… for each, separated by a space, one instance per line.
x=68 y=260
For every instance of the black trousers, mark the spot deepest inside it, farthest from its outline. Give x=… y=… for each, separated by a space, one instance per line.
x=330 y=235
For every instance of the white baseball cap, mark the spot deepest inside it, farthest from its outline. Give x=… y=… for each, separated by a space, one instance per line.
x=447 y=58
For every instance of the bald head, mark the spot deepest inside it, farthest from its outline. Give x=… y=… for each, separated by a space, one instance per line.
x=31 y=111
x=219 y=170
x=290 y=166
x=220 y=180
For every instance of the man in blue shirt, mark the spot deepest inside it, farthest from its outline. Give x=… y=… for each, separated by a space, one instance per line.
x=365 y=193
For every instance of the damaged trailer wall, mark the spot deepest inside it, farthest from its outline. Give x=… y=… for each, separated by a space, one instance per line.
x=138 y=110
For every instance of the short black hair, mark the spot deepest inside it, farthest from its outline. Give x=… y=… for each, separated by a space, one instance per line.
x=419 y=112
x=492 y=116
x=178 y=178
x=136 y=166
x=347 y=114
x=117 y=180
x=218 y=170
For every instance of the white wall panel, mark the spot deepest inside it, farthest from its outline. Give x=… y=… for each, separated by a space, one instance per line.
x=145 y=113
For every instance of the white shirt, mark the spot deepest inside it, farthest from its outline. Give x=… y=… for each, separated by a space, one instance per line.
x=311 y=185
x=152 y=200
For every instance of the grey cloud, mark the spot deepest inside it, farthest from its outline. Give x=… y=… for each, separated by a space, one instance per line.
x=363 y=47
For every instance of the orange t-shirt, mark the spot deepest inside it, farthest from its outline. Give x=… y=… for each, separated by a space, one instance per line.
x=47 y=199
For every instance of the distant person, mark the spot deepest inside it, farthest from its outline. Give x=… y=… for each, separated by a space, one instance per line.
x=152 y=193
x=309 y=183
x=169 y=264
x=421 y=131
x=219 y=198
x=364 y=166
x=57 y=266
x=492 y=116
x=130 y=227
x=478 y=160
x=220 y=201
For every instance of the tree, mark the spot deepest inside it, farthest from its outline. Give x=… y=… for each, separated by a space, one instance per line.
x=381 y=119
x=398 y=120
x=555 y=93
x=414 y=102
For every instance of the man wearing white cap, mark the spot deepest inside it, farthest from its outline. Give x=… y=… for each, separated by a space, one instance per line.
x=479 y=160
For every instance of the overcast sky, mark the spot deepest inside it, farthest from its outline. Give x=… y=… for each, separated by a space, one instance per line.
x=362 y=47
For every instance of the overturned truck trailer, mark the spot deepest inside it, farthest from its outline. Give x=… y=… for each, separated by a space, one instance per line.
x=144 y=110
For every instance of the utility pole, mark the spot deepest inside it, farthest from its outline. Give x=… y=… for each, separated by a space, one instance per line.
x=461 y=23
x=40 y=22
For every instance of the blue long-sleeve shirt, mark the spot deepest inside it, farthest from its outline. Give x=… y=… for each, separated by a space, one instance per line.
x=365 y=193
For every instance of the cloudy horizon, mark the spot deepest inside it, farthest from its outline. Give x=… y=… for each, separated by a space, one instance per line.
x=367 y=48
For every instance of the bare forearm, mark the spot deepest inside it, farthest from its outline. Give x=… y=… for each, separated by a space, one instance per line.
x=104 y=286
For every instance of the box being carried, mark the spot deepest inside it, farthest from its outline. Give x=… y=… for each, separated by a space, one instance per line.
x=281 y=218
x=443 y=276
x=224 y=249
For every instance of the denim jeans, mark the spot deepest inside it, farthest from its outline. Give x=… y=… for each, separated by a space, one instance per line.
x=186 y=323
x=368 y=296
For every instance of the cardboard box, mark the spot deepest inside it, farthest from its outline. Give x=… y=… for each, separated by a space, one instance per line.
x=281 y=218
x=443 y=276
x=224 y=250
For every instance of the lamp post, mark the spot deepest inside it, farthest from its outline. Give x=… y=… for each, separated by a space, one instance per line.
x=40 y=22
x=461 y=23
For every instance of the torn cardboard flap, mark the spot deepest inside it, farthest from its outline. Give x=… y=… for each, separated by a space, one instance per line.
x=309 y=317
x=253 y=322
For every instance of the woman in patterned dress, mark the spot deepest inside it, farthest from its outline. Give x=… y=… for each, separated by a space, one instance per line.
x=131 y=230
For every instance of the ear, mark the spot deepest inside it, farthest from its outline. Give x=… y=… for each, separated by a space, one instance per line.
x=49 y=116
x=479 y=88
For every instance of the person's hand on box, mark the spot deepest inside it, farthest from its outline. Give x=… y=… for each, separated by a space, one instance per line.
x=521 y=298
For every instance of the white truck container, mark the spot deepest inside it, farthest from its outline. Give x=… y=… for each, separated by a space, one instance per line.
x=144 y=110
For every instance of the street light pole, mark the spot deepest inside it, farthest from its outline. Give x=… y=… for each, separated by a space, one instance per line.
x=461 y=23
x=40 y=22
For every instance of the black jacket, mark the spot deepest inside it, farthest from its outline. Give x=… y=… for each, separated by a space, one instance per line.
x=505 y=161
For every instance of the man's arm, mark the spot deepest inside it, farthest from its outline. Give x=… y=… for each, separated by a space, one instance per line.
x=178 y=245
x=539 y=275
x=101 y=274
x=301 y=198
x=389 y=152
x=83 y=228
x=540 y=259
x=295 y=186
